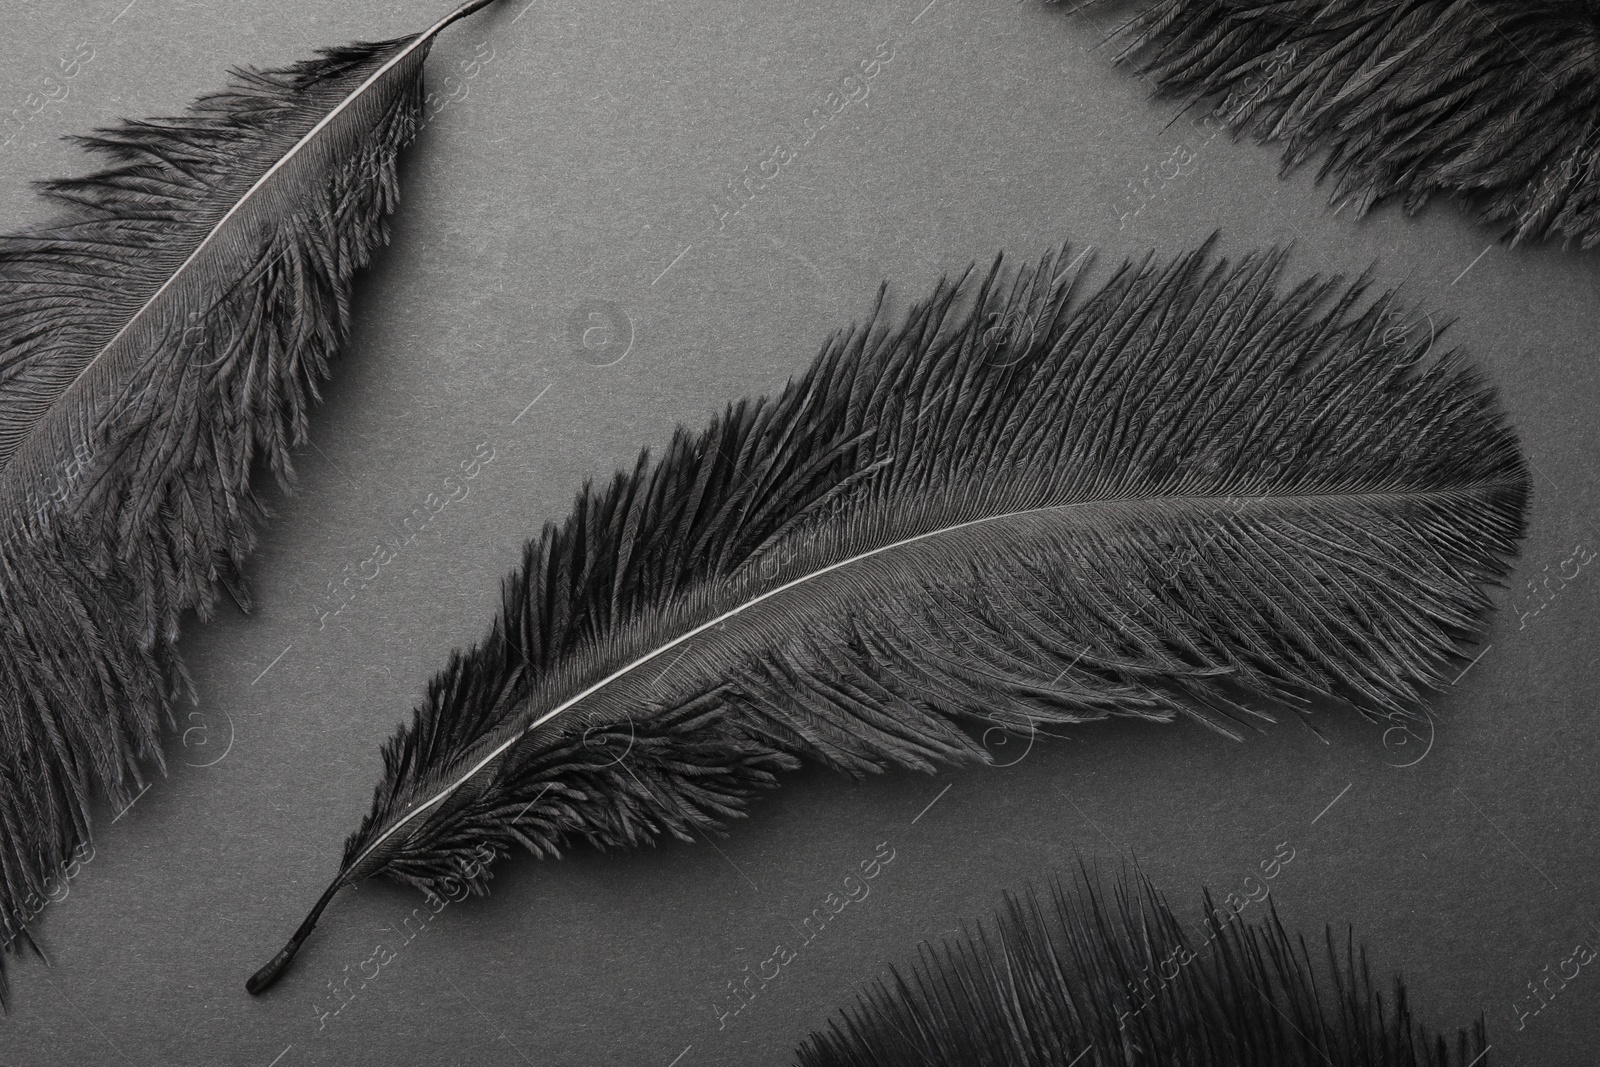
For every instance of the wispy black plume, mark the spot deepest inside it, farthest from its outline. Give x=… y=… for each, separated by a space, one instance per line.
x=1018 y=505
x=1497 y=101
x=1078 y=979
x=160 y=339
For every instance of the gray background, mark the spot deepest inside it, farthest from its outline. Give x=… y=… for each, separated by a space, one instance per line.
x=577 y=166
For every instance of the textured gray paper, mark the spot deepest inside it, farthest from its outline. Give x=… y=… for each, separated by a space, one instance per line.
x=578 y=265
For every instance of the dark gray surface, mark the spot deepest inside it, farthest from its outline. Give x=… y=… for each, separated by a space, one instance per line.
x=578 y=174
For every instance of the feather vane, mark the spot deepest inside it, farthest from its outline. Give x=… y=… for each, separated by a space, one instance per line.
x=1019 y=505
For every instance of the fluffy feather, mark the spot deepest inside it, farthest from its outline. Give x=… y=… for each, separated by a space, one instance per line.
x=1080 y=980
x=1496 y=101
x=159 y=340
x=1017 y=506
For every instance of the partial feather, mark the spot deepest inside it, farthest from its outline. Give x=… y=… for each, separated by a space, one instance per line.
x=1018 y=506
x=1077 y=979
x=1494 y=101
x=159 y=340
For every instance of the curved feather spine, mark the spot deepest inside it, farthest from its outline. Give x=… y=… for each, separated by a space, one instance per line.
x=158 y=339
x=1018 y=506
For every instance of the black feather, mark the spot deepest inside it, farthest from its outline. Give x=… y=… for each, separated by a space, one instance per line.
x=1017 y=506
x=1494 y=101
x=159 y=340
x=1080 y=980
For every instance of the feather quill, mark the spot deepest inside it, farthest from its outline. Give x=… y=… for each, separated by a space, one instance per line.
x=1079 y=979
x=1494 y=101
x=159 y=340
x=1019 y=505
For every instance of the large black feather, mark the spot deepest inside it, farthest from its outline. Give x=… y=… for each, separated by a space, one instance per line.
x=1079 y=980
x=1497 y=101
x=159 y=341
x=1017 y=506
